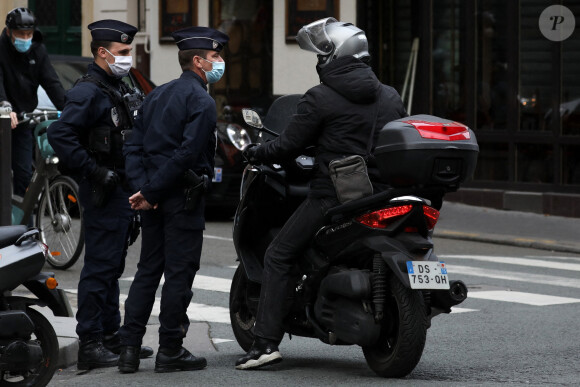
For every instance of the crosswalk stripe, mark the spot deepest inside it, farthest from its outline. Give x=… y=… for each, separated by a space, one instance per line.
x=522 y=298
x=455 y=310
x=203 y=282
x=501 y=274
x=518 y=261
x=195 y=311
x=219 y=238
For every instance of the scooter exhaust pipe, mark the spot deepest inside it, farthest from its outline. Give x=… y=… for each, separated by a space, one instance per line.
x=445 y=299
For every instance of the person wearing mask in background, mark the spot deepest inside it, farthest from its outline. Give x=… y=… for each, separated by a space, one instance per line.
x=170 y=161
x=24 y=65
x=336 y=117
x=88 y=138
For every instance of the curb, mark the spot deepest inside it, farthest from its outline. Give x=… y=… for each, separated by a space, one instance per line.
x=510 y=240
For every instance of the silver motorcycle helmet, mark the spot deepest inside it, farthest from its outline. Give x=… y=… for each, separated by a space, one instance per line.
x=331 y=39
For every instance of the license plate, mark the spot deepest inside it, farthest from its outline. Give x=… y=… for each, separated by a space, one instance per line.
x=427 y=275
x=217 y=175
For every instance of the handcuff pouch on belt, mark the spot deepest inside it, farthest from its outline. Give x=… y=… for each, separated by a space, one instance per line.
x=195 y=187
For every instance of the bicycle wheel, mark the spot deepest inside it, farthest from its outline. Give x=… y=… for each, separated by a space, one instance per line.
x=60 y=221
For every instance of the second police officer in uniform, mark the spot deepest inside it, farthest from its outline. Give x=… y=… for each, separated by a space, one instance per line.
x=171 y=150
x=88 y=138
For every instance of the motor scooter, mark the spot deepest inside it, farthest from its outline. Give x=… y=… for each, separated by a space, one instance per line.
x=370 y=276
x=28 y=343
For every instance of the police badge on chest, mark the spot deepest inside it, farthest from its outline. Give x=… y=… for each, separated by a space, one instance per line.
x=115 y=116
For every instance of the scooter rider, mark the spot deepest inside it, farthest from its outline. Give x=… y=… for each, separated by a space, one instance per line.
x=88 y=138
x=336 y=117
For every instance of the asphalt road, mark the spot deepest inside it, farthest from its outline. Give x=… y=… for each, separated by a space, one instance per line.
x=519 y=326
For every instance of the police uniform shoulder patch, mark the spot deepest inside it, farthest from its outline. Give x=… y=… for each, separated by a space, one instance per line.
x=115 y=116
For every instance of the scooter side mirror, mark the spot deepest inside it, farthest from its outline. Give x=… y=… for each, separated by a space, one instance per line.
x=252 y=118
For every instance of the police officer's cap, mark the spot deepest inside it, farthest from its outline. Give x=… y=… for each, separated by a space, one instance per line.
x=112 y=31
x=200 y=38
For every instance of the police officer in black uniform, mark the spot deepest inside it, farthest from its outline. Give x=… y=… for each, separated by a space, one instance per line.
x=336 y=117
x=24 y=65
x=170 y=159
x=88 y=138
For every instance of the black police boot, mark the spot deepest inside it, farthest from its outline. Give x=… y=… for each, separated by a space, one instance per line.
x=179 y=359
x=93 y=354
x=263 y=352
x=112 y=342
x=129 y=359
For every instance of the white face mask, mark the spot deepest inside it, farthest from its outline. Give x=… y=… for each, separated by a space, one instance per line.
x=121 y=66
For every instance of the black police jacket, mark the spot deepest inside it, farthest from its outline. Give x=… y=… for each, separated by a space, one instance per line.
x=336 y=117
x=87 y=107
x=175 y=130
x=21 y=73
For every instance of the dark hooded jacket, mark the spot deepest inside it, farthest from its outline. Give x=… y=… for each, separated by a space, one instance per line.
x=336 y=117
x=21 y=73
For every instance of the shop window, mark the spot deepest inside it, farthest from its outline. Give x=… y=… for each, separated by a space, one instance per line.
x=537 y=86
x=492 y=162
x=448 y=64
x=570 y=107
x=535 y=163
x=248 y=54
x=492 y=65
x=571 y=164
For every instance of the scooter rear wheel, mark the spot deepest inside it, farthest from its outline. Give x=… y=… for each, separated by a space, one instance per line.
x=403 y=333
x=40 y=375
x=241 y=316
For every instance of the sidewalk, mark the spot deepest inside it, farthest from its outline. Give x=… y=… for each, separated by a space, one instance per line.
x=457 y=221
x=522 y=229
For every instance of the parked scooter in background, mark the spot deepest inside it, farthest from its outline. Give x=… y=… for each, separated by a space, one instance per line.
x=28 y=343
x=371 y=276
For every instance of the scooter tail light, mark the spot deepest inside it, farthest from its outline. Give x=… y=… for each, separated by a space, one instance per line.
x=384 y=217
x=431 y=216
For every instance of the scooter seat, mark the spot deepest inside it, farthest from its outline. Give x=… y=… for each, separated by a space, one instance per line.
x=10 y=234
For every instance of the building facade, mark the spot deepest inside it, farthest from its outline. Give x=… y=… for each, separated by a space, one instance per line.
x=486 y=63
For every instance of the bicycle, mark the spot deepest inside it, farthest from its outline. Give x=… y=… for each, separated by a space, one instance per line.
x=55 y=197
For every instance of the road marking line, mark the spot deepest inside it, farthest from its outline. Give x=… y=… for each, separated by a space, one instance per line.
x=522 y=298
x=202 y=282
x=218 y=238
x=528 y=277
x=456 y=310
x=219 y=341
x=518 y=261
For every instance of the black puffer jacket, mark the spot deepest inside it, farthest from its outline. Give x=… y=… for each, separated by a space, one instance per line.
x=336 y=117
x=21 y=73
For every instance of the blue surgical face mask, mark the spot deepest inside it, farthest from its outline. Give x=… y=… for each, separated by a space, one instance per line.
x=216 y=72
x=22 y=45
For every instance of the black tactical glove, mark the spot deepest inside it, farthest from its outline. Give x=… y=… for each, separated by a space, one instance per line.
x=104 y=182
x=250 y=153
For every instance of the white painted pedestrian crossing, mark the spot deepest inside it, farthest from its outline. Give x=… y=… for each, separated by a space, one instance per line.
x=514 y=274
x=203 y=282
x=522 y=298
x=519 y=261
x=456 y=270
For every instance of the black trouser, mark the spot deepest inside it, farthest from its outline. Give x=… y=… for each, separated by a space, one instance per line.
x=106 y=232
x=279 y=260
x=22 y=157
x=171 y=246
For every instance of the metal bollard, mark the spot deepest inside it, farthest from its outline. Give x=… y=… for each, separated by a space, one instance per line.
x=5 y=167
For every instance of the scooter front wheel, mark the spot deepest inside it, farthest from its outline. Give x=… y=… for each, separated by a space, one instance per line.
x=42 y=373
x=241 y=316
x=403 y=333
